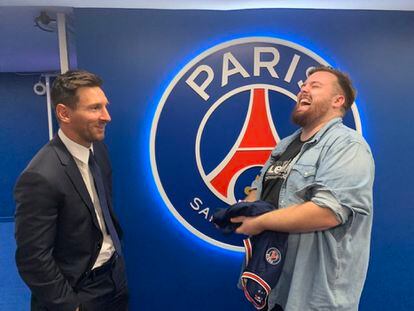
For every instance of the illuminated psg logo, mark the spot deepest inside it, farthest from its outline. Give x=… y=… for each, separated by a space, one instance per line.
x=218 y=121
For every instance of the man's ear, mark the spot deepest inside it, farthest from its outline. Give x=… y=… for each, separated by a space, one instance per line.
x=63 y=113
x=338 y=101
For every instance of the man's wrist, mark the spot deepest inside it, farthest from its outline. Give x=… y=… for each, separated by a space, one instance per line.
x=260 y=222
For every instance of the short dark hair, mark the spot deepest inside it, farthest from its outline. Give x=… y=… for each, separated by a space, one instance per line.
x=65 y=86
x=344 y=83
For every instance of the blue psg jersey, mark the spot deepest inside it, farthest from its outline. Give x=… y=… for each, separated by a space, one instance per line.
x=265 y=252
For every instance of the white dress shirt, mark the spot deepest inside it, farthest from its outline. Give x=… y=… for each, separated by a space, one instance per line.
x=81 y=156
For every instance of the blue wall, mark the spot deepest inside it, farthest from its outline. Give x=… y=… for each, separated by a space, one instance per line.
x=138 y=52
x=23 y=124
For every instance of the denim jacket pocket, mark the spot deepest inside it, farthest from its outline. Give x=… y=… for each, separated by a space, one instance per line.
x=300 y=179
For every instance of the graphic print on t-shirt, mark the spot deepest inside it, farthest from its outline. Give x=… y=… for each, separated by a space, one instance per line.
x=278 y=172
x=279 y=169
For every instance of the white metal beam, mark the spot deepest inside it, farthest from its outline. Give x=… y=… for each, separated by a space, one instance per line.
x=63 y=43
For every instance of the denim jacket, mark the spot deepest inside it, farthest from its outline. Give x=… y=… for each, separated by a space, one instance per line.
x=326 y=270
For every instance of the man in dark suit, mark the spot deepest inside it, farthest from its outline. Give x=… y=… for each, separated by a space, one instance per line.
x=68 y=249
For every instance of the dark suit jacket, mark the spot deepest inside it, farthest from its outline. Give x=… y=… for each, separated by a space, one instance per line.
x=57 y=232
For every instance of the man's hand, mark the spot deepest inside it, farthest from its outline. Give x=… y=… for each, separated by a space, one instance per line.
x=251 y=197
x=249 y=226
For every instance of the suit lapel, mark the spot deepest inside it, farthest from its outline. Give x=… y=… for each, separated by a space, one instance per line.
x=74 y=175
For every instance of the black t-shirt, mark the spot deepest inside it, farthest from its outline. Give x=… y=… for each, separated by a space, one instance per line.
x=278 y=171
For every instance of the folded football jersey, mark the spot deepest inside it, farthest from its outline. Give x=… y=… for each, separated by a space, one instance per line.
x=265 y=252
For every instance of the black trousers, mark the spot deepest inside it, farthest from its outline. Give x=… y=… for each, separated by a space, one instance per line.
x=105 y=289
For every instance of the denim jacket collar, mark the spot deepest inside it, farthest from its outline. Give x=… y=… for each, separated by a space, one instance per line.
x=285 y=143
x=326 y=127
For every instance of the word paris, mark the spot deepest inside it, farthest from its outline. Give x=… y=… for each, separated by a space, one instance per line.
x=232 y=66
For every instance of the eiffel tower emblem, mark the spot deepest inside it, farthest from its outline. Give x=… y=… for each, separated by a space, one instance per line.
x=257 y=139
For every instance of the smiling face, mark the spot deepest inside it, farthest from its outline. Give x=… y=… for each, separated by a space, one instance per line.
x=85 y=123
x=318 y=101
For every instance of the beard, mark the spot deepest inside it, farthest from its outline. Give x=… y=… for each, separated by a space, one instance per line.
x=310 y=117
x=91 y=133
x=301 y=118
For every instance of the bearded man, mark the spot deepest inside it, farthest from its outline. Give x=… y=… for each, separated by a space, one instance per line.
x=320 y=180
